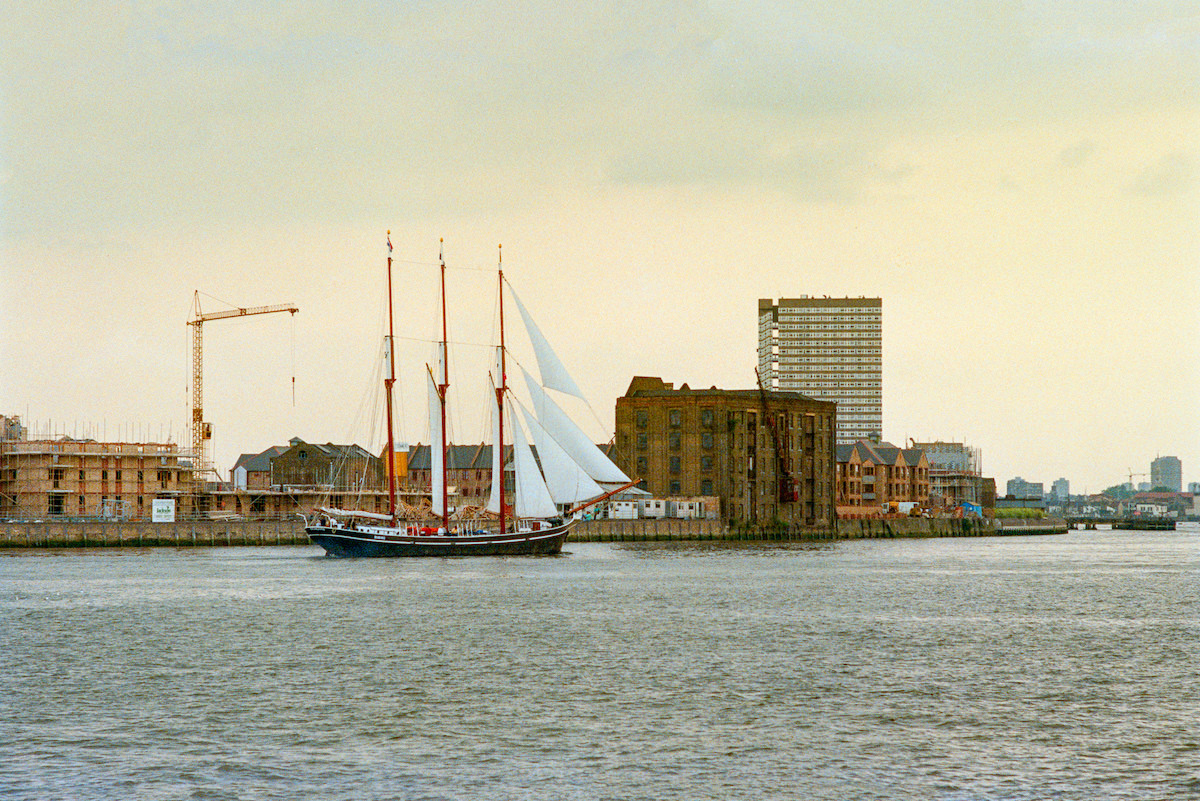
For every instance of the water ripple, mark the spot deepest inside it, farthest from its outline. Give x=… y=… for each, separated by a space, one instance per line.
x=1014 y=668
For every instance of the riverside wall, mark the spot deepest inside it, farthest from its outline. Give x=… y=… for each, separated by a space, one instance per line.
x=106 y=534
x=905 y=527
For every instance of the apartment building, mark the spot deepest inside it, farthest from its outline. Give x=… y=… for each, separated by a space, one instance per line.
x=1167 y=472
x=765 y=455
x=830 y=349
x=871 y=476
x=297 y=478
x=1020 y=488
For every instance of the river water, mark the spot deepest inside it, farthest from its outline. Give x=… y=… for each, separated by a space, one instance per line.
x=1062 y=667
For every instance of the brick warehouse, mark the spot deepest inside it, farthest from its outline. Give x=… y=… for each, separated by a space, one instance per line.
x=766 y=455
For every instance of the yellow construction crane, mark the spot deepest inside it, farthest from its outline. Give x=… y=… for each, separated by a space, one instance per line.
x=202 y=431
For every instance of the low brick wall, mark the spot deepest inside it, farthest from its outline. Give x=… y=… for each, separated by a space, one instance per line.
x=288 y=532
x=102 y=534
x=898 y=528
x=1049 y=525
x=646 y=530
x=910 y=527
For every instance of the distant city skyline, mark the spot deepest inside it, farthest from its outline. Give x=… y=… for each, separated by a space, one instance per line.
x=1019 y=184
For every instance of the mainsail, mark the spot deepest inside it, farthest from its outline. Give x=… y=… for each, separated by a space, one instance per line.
x=533 y=499
x=435 y=447
x=435 y=435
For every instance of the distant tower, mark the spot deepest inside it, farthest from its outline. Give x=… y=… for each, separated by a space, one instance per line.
x=1020 y=488
x=1167 y=471
x=830 y=349
x=1061 y=489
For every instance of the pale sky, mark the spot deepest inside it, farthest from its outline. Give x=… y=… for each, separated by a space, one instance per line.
x=1019 y=182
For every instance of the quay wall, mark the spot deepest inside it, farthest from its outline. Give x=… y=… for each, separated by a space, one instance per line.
x=105 y=534
x=907 y=527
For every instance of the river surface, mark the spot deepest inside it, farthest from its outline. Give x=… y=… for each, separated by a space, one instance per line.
x=1022 y=668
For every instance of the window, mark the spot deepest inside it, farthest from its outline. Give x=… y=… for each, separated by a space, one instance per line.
x=675 y=488
x=675 y=417
x=706 y=487
x=706 y=440
x=139 y=475
x=706 y=463
x=674 y=464
x=81 y=475
x=674 y=438
x=706 y=417
x=118 y=476
x=642 y=417
x=641 y=465
x=641 y=441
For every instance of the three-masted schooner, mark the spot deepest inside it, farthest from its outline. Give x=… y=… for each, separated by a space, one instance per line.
x=574 y=473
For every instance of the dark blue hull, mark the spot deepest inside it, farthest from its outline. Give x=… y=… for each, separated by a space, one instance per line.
x=383 y=543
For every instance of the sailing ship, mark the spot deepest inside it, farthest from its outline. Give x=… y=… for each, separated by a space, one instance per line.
x=574 y=473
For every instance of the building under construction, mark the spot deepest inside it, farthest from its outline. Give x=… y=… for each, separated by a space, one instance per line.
x=955 y=472
x=44 y=478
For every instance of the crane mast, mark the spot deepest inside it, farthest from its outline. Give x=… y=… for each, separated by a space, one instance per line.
x=785 y=484
x=202 y=431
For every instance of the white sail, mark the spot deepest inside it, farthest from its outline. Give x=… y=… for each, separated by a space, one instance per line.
x=435 y=447
x=493 y=504
x=567 y=481
x=571 y=438
x=532 y=498
x=554 y=374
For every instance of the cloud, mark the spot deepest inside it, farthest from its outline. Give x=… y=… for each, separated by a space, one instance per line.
x=1172 y=174
x=1075 y=155
x=159 y=114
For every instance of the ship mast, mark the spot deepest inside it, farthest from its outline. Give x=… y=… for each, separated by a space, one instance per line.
x=500 y=390
x=388 y=383
x=442 y=388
